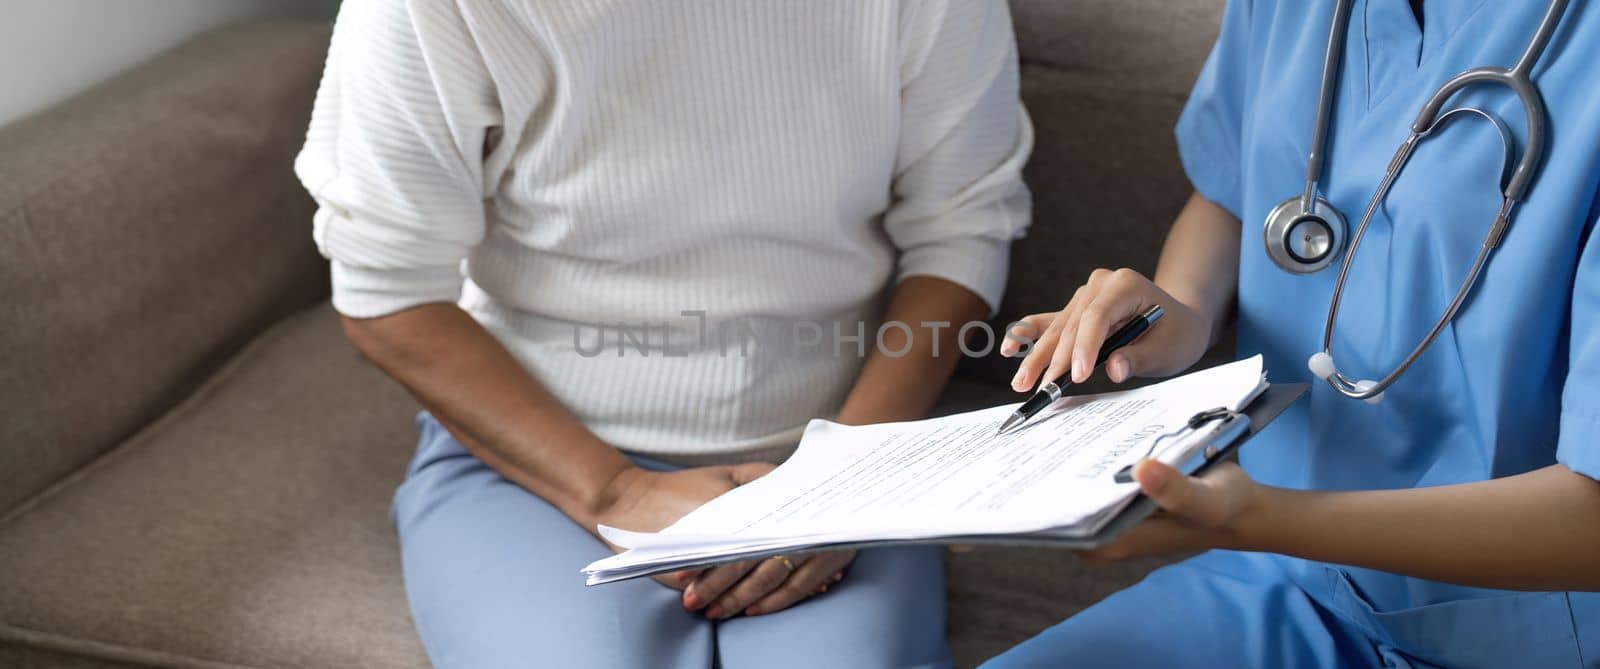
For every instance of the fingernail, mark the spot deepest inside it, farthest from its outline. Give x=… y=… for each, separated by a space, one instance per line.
x=1016 y=381
x=691 y=601
x=714 y=613
x=683 y=576
x=822 y=588
x=752 y=611
x=1121 y=368
x=838 y=576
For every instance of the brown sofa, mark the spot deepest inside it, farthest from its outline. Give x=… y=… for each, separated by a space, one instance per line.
x=195 y=468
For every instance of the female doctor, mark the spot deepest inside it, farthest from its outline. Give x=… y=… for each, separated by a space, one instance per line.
x=1453 y=519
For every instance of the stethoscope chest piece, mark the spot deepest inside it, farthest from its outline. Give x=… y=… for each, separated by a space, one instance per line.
x=1302 y=241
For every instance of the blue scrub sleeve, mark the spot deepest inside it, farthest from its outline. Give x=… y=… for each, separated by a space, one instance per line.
x=1210 y=130
x=1579 y=447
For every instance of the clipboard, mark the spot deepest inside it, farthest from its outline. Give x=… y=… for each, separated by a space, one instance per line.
x=1223 y=446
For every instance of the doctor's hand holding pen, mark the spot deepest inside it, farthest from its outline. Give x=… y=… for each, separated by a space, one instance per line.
x=1070 y=339
x=1194 y=285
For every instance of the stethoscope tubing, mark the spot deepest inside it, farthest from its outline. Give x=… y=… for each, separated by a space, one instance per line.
x=1517 y=78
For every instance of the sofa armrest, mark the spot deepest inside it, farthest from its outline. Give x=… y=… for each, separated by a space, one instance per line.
x=148 y=228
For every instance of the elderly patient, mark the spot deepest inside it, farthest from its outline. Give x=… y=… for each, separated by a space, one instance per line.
x=536 y=211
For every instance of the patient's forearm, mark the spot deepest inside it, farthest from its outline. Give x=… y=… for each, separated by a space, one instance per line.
x=492 y=405
x=1534 y=531
x=904 y=388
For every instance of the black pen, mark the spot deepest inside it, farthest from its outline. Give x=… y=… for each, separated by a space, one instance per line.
x=1050 y=392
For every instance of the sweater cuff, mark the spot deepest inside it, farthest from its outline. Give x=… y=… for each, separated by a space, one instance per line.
x=979 y=264
x=365 y=292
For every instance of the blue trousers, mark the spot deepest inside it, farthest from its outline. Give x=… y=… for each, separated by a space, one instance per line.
x=1226 y=609
x=492 y=575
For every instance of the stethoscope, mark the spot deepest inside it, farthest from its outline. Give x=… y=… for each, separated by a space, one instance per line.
x=1305 y=233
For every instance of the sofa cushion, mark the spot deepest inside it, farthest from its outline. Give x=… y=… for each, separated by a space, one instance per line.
x=147 y=230
x=1149 y=45
x=247 y=527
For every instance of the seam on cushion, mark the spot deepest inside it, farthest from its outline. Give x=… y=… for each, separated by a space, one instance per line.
x=144 y=434
x=77 y=647
x=26 y=219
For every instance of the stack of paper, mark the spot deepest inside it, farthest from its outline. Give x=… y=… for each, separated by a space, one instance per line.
x=950 y=479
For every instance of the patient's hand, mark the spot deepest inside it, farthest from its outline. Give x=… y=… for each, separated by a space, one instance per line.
x=757 y=587
x=647 y=501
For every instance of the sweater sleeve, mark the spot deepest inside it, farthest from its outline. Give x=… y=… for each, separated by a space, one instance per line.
x=959 y=199
x=394 y=154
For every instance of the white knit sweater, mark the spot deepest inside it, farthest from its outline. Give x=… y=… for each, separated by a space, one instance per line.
x=564 y=166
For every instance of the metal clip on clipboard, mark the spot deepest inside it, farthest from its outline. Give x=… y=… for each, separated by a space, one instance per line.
x=1234 y=426
x=1219 y=447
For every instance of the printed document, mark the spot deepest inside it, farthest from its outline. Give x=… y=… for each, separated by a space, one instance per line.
x=944 y=479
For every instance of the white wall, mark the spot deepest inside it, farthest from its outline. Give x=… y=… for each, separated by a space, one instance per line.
x=52 y=49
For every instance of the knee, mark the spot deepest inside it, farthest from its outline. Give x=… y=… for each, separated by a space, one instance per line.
x=540 y=639
x=888 y=612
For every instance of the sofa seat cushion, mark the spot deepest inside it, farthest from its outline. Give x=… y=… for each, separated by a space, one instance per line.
x=247 y=527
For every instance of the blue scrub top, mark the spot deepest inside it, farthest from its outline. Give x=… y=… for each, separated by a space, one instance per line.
x=1514 y=383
